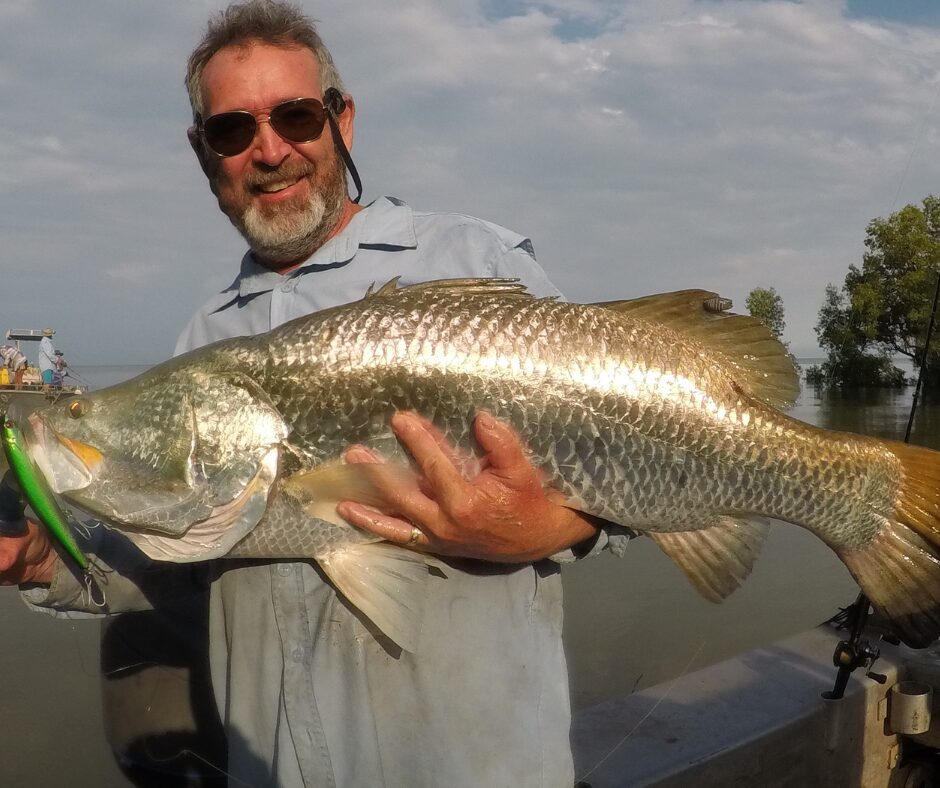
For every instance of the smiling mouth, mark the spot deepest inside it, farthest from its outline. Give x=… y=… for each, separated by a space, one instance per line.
x=276 y=186
x=273 y=185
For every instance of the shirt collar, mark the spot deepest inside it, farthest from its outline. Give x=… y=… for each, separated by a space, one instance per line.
x=387 y=223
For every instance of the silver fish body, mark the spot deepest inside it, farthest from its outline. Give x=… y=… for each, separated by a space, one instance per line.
x=655 y=414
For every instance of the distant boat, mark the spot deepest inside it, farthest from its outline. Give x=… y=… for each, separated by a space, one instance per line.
x=32 y=387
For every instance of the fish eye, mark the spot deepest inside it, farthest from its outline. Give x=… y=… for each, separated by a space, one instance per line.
x=78 y=408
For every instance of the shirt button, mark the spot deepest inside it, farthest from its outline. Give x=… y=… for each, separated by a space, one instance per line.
x=297 y=655
x=285 y=569
x=287 y=287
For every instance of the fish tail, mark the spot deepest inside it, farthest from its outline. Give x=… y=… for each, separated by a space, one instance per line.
x=918 y=504
x=899 y=569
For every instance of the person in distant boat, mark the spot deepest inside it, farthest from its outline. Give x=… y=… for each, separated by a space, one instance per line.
x=47 y=356
x=309 y=695
x=61 y=369
x=15 y=361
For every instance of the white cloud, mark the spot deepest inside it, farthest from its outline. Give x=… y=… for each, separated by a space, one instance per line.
x=644 y=146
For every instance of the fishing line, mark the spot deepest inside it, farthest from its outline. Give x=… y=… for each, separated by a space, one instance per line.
x=71 y=373
x=923 y=361
x=917 y=141
x=145 y=702
x=645 y=717
x=855 y=652
x=89 y=670
x=919 y=138
x=185 y=751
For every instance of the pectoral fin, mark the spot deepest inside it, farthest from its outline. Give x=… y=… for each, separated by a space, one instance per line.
x=322 y=488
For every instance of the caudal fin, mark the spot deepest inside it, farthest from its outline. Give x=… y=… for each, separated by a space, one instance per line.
x=899 y=570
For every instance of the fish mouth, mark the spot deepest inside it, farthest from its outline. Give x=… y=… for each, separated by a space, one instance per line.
x=66 y=464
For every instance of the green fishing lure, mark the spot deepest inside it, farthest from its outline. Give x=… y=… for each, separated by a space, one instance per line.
x=37 y=493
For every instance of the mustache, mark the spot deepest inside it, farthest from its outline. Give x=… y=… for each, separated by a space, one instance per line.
x=292 y=171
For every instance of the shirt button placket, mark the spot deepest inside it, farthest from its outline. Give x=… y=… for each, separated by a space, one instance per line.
x=282 y=300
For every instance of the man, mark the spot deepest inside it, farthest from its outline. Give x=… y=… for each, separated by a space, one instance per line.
x=308 y=695
x=47 y=357
x=61 y=369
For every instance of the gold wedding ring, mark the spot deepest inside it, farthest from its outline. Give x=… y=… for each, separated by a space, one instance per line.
x=415 y=536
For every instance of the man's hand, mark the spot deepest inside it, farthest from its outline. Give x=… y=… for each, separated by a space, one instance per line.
x=505 y=513
x=29 y=558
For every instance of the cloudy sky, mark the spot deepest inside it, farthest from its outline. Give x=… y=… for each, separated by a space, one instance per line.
x=644 y=145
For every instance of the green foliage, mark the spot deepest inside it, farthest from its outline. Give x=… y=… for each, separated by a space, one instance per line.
x=862 y=370
x=884 y=307
x=766 y=305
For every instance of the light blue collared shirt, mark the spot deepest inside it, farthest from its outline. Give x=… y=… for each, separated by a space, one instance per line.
x=317 y=700
x=306 y=693
x=379 y=243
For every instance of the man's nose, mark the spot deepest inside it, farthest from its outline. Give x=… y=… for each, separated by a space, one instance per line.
x=269 y=147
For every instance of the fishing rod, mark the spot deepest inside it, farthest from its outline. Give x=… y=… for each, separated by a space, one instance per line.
x=855 y=652
x=71 y=373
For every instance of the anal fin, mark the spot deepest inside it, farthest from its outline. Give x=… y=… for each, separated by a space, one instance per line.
x=718 y=557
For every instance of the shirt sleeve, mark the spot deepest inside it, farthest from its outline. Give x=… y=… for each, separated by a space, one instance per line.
x=518 y=262
x=131 y=581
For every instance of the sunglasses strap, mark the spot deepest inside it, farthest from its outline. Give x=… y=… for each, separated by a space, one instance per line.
x=347 y=159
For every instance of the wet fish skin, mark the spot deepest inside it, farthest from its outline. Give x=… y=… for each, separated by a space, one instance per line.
x=652 y=413
x=287 y=531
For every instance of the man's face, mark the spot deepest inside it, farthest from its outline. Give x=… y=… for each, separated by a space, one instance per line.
x=285 y=198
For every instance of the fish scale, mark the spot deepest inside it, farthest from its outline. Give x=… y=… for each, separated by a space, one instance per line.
x=377 y=351
x=654 y=414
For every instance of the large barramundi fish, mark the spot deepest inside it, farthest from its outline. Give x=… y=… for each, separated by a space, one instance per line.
x=660 y=414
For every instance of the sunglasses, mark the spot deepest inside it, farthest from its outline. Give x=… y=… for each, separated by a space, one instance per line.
x=297 y=120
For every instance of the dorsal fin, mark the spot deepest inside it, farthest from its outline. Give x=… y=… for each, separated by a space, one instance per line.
x=764 y=367
x=456 y=286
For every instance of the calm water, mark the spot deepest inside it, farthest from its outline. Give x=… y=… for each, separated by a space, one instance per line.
x=635 y=622
x=630 y=623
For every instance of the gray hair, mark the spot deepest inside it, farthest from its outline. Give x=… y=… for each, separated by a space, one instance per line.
x=274 y=22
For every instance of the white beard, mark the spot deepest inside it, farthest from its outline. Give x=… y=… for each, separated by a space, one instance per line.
x=286 y=235
x=290 y=233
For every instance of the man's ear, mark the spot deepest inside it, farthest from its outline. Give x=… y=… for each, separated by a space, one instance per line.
x=346 y=122
x=195 y=142
x=343 y=110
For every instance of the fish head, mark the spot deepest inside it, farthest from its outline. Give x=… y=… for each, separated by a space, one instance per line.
x=171 y=454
